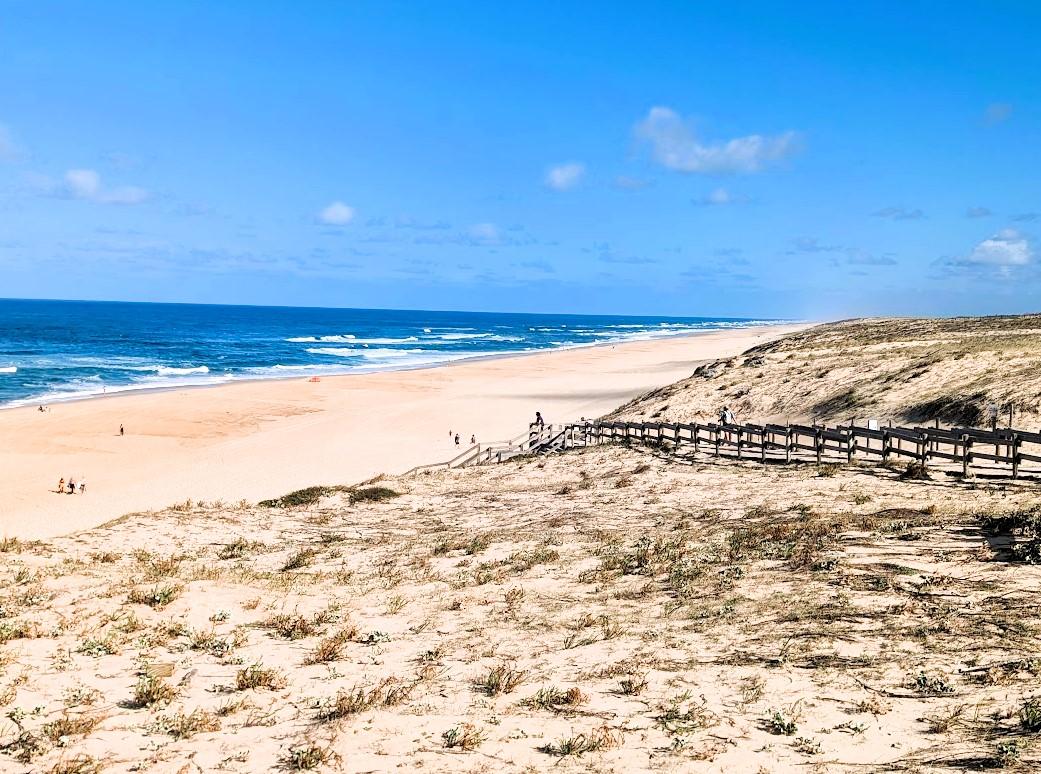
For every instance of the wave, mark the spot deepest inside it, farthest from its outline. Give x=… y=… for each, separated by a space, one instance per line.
x=365 y=353
x=173 y=371
x=8 y=369
x=348 y=339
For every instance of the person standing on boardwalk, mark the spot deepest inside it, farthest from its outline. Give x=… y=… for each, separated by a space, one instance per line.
x=539 y=421
x=457 y=439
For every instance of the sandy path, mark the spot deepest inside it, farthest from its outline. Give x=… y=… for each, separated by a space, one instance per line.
x=255 y=440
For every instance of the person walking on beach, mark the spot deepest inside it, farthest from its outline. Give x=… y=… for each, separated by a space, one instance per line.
x=83 y=486
x=457 y=439
x=121 y=430
x=72 y=486
x=61 y=485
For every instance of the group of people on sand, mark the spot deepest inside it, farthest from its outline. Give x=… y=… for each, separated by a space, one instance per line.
x=456 y=437
x=72 y=485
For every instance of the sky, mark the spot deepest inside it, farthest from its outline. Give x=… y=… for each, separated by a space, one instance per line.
x=801 y=160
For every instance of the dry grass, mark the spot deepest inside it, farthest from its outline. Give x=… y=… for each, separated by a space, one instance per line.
x=707 y=615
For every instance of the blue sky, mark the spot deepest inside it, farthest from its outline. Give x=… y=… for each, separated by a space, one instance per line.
x=755 y=159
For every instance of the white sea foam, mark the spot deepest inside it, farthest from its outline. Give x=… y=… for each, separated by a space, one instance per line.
x=8 y=369
x=365 y=353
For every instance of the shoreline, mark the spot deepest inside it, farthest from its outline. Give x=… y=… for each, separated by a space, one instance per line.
x=130 y=389
x=256 y=439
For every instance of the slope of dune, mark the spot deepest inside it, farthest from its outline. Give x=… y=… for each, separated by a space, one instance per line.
x=602 y=610
x=906 y=370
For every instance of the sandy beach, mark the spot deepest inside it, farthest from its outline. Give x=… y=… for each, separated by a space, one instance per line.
x=254 y=440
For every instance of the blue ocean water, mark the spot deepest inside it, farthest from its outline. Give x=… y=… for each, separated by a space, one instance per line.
x=64 y=350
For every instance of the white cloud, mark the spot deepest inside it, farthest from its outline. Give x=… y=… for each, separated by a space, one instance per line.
x=676 y=147
x=336 y=214
x=86 y=184
x=1005 y=249
x=565 y=176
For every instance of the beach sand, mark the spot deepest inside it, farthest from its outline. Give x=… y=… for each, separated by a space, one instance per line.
x=256 y=440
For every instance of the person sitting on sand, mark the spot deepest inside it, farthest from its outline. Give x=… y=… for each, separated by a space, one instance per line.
x=61 y=485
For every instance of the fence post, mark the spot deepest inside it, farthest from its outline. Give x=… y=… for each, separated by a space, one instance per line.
x=926 y=446
x=818 y=441
x=762 y=445
x=787 y=443
x=740 y=432
x=696 y=432
x=885 y=446
x=850 y=445
x=1014 y=448
x=716 y=434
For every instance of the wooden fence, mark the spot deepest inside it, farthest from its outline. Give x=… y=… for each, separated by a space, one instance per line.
x=1007 y=449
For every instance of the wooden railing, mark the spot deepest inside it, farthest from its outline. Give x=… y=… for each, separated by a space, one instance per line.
x=960 y=445
x=535 y=437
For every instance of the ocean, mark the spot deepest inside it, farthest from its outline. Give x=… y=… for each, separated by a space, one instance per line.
x=66 y=350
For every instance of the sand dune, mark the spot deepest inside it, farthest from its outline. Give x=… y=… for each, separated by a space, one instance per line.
x=908 y=370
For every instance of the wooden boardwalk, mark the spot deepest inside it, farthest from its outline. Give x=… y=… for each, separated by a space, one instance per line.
x=1004 y=452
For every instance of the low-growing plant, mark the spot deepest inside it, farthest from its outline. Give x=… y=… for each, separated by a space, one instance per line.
x=372 y=494
x=499 y=680
x=308 y=756
x=602 y=738
x=302 y=558
x=257 y=676
x=182 y=726
x=556 y=699
x=152 y=691
x=464 y=737
x=157 y=597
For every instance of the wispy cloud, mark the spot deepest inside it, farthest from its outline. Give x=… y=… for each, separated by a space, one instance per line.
x=813 y=245
x=564 y=177
x=631 y=183
x=899 y=213
x=840 y=255
x=996 y=113
x=978 y=212
x=607 y=254
x=336 y=214
x=720 y=197
x=484 y=233
x=1026 y=217
x=86 y=184
x=675 y=146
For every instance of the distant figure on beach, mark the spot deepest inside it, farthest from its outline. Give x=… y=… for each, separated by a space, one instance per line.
x=83 y=486
x=121 y=429
x=473 y=439
x=72 y=486
x=61 y=485
x=457 y=439
x=539 y=421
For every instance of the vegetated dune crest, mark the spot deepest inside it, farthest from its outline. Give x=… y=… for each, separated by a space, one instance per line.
x=906 y=370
